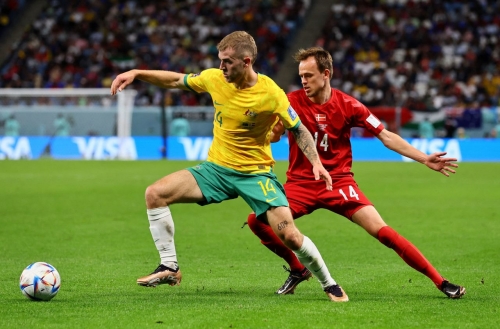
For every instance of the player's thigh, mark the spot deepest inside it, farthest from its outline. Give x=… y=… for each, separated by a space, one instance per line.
x=260 y=191
x=369 y=219
x=216 y=183
x=178 y=187
x=302 y=196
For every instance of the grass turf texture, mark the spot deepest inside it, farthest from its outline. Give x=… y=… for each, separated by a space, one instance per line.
x=88 y=219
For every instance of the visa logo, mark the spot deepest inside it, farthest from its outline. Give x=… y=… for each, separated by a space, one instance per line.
x=196 y=148
x=429 y=146
x=15 y=148
x=106 y=148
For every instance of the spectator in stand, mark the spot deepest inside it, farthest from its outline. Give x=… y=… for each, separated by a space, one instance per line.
x=461 y=133
x=450 y=127
x=492 y=134
x=179 y=126
x=426 y=129
x=495 y=132
x=12 y=126
x=62 y=126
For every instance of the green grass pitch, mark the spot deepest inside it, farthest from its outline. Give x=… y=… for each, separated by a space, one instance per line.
x=88 y=219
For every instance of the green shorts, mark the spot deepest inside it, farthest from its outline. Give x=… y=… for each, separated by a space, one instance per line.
x=260 y=191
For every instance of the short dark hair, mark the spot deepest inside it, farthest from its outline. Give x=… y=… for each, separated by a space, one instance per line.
x=323 y=58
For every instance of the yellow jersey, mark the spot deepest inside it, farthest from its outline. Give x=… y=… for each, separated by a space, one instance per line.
x=243 y=120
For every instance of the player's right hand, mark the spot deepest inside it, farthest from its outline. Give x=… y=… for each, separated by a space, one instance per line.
x=320 y=172
x=121 y=81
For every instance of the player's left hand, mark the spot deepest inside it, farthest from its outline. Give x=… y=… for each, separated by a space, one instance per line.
x=320 y=172
x=436 y=162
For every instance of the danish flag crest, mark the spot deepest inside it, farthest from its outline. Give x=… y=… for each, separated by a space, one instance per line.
x=320 y=117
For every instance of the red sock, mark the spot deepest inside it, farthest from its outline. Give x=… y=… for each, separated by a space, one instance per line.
x=273 y=243
x=410 y=254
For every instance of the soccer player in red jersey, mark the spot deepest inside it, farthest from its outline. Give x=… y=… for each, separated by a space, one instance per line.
x=329 y=115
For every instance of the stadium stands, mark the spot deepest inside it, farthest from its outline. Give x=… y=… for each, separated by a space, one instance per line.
x=425 y=56
x=8 y=11
x=422 y=55
x=84 y=44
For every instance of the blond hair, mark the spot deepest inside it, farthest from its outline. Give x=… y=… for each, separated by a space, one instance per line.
x=241 y=42
x=322 y=57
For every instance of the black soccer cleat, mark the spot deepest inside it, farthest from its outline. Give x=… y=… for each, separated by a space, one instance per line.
x=452 y=290
x=293 y=280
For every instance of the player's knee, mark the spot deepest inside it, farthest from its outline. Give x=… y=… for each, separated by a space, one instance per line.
x=292 y=238
x=153 y=198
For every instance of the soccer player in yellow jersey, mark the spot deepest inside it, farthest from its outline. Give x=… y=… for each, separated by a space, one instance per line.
x=247 y=106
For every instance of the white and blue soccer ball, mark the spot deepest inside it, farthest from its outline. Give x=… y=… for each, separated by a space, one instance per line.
x=40 y=281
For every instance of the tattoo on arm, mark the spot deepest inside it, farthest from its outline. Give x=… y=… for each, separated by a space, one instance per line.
x=306 y=143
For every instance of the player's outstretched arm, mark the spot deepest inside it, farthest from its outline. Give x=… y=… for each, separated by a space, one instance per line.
x=433 y=161
x=164 y=79
x=306 y=143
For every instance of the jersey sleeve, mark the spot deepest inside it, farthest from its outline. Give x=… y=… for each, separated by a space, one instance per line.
x=361 y=116
x=199 y=82
x=286 y=113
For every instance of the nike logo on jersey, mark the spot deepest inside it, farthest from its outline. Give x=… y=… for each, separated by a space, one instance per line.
x=215 y=102
x=271 y=200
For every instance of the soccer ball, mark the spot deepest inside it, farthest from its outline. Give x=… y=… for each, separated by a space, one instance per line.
x=40 y=281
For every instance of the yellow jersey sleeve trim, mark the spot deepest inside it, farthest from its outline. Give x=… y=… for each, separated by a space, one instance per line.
x=186 y=83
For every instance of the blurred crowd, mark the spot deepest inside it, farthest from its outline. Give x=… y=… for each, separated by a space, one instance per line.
x=85 y=43
x=423 y=55
x=8 y=10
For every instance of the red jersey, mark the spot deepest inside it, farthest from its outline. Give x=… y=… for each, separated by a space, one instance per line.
x=330 y=125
